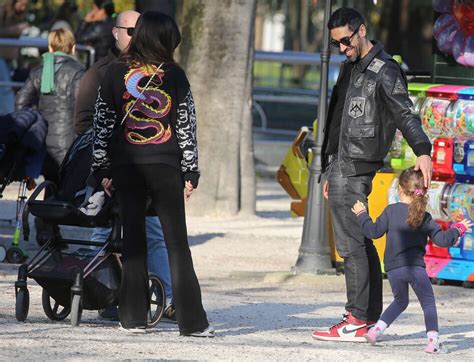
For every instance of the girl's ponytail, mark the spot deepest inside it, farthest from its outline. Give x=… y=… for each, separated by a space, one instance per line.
x=417 y=208
x=412 y=184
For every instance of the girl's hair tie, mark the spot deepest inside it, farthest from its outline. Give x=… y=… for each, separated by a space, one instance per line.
x=419 y=192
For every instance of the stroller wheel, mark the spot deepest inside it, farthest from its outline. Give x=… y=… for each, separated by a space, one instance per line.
x=22 y=304
x=52 y=309
x=76 y=310
x=157 y=301
x=15 y=255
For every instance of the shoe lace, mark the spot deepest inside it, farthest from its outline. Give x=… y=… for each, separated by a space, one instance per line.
x=338 y=324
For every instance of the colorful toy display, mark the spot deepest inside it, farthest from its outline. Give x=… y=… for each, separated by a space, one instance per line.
x=437 y=112
x=460 y=202
x=467 y=246
x=464 y=130
x=447 y=114
x=454 y=29
x=401 y=155
x=464 y=114
x=438 y=200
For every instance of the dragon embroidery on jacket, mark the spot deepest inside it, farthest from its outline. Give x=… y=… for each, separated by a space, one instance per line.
x=145 y=107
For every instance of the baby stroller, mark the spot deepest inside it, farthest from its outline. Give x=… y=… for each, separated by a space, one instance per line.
x=22 y=150
x=86 y=278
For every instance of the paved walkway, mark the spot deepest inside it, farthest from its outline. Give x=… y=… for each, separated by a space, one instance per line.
x=260 y=310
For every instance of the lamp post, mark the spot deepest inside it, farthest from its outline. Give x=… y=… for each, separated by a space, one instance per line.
x=314 y=254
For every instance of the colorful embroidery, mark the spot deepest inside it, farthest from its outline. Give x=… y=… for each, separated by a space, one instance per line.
x=142 y=125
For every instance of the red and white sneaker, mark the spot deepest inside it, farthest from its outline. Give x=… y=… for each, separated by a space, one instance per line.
x=350 y=329
x=371 y=324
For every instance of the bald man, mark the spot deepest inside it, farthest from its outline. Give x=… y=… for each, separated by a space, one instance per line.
x=158 y=263
x=90 y=81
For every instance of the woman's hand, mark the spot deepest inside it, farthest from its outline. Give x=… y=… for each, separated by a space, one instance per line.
x=188 y=190
x=107 y=185
x=91 y=16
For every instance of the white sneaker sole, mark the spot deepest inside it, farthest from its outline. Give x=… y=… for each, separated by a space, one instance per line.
x=339 y=339
x=209 y=332
x=133 y=330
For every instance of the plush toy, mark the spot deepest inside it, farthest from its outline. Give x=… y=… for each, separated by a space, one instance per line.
x=95 y=203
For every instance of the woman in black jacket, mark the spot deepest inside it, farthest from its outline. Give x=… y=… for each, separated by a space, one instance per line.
x=52 y=88
x=145 y=139
x=96 y=28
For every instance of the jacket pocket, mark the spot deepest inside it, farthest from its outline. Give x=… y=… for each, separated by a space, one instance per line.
x=363 y=142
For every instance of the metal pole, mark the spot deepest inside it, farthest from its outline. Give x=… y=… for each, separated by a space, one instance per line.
x=314 y=254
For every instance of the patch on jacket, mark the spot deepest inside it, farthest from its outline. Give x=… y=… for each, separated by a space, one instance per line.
x=399 y=87
x=370 y=86
x=359 y=80
x=356 y=107
x=376 y=65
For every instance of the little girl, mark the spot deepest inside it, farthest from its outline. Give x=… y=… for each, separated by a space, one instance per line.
x=408 y=225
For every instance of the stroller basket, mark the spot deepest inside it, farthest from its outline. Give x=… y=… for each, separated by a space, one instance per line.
x=57 y=273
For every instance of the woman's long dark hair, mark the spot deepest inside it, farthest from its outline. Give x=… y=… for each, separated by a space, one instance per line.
x=154 y=40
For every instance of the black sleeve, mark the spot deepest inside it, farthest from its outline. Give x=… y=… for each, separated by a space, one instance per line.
x=186 y=130
x=395 y=95
x=75 y=83
x=105 y=118
x=28 y=95
x=441 y=238
x=85 y=101
x=373 y=230
x=88 y=32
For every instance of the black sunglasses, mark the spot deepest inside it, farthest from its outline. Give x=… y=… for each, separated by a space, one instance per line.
x=346 y=41
x=129 y=30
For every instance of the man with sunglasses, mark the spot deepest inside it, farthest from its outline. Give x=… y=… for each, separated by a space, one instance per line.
x=85 y=103
x=368 y=103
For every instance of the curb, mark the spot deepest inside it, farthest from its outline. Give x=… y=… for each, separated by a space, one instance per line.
x=7 y=268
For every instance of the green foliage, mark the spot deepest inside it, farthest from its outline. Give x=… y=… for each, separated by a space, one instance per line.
x=85 y=5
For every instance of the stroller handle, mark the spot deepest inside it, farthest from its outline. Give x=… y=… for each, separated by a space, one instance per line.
x=26 y=209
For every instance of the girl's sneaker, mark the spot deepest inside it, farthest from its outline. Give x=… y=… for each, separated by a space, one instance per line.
x=433 y=347
x=373 y=335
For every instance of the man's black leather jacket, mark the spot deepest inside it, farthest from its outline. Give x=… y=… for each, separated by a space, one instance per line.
x=376 y=104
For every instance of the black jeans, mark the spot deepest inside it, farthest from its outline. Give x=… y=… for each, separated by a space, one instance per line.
x=165 y=186
x=361 y=263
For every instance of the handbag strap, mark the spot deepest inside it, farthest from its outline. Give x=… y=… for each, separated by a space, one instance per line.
x=141 y=93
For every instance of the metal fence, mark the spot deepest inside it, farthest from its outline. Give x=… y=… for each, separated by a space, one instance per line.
x=40 y=43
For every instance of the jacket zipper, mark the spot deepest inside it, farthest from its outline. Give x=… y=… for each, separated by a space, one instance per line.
x=342 y=117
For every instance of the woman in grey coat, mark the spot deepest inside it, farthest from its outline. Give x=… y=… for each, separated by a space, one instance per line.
x=52 y=89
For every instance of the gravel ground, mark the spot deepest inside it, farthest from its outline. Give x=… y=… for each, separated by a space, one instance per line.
x=260 y=310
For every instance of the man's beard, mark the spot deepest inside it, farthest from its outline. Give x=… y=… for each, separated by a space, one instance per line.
x=355 y=56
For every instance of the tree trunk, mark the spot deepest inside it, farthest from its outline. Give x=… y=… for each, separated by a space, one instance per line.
x=217 y=54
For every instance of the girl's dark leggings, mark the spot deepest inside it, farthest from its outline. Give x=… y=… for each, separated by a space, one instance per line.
x=400 y=279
